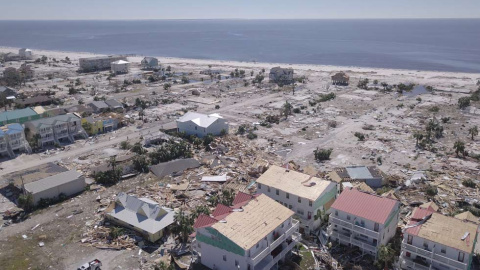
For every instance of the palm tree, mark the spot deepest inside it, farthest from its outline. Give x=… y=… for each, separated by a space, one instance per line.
x=418 y=137
x=386 y=255
x=201 y=209
x=459 y=147
x=473 y=131
x=182 y=225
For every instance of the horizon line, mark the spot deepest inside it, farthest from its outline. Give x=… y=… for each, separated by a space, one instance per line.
x=248 y=19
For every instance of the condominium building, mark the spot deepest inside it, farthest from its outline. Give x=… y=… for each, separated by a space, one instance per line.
x=256 y=233
x=363 y=220
x=57 y=129
x=434 y=241
x=12 y=138
x=307 y=196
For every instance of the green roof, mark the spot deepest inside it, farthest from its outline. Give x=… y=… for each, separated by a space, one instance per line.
x=16 y=114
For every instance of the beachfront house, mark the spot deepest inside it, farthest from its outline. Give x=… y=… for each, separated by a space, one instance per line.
x=99 y=62
x=200 y=125
x=340 y=78
x=57 y=129
x=25 y=54
x=256 y=233
x=99 y=106
x=371 y=175
x=434 y=241
x=140 y=214
x=363 y=220
x=114 y=105
x=309 y=197
x=12 y=139
x=52 y=187
x=150 y=63
x=18 y=116
x=281 y=75
x=120 y=66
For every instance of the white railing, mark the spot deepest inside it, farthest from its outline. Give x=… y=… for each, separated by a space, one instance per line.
x=434 y=256
x=363 y=245
x=447 y=261
x=411 y=264
x=366 y=231
x=341 y=222
x=419 y=251
x=280 y=256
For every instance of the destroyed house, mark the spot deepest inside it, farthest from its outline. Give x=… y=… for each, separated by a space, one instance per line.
x=307 y=196
x=200 y=125
x=363 y=220
x=371 y=175
x=340 y=78
x=149 y=63
x=434 y=241
x=140 y=214
x=255 y=233
x=281 y=75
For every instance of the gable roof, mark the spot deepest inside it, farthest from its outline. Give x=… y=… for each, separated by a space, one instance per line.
x=11 y=129
x=141 y=213
x=16 y=114
x=51 y=121
x=370 y=207
x=52 y=181
x=468 y=216
x=241 y=199
x=5 y=89
x=259 y=217
x=295 y=183
x=149 y=60
x=221 y=211
x=204 y=221
x=100 y=104
x=444 y=230
x=201 y=120
x=430 y=205
x=113 y=103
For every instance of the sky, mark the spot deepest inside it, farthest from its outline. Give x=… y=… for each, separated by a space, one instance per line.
x=235 y=9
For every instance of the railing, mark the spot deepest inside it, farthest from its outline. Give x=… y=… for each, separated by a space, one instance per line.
x=279 y=256
x=341 y=222
x=363 y=245
x=434 y=256
x=366 y=231
x=410 y=263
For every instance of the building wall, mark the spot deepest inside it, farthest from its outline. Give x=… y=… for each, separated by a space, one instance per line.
x=191 y=128
x=302 y=208
x=97 y=126
x=69 y=189
x=119 y=68
x=151 y=237
x=92 y=64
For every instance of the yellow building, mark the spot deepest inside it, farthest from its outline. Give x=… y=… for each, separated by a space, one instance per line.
x=96 y=125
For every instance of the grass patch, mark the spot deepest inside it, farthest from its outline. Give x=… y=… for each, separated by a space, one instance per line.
x=306 y=261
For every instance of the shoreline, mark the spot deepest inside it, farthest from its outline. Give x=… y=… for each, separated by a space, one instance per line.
x=303 y=67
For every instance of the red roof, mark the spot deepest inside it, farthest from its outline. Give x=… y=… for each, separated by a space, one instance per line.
x=221 y=211
x=204 y=221
x=417 y=215
x=241 y=199
x=360 y=204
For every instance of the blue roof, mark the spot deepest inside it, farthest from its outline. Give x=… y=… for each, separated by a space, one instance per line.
x=16 y=114
x=11 y=129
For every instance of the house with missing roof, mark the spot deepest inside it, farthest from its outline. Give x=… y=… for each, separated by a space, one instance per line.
x=281 y=75
x=140 y=214
x=200 y=125
x=57 y=129
x=363 y=220
x=12 y=139
x=434 y=241
x=67 y=183
x=305 y=195
x=150 y=63
x=371 y=175
x=256 y=233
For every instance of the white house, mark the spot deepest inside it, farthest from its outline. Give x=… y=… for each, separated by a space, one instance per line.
x=200 y=125
x=256 y=234
x=434 y=241
x=67 y=183
x=140 y=214
x=363 y=220
x=12 y=138
x=25 y=53
x=120 y=66
x=307 y=196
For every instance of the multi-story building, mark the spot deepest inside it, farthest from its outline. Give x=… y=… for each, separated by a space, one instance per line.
x=256 y=233
x=434 y=241
x=18 y=116
x=363 y=220
x=98 y=62
x=12 y=138
x=307 y=196
x=57 y=129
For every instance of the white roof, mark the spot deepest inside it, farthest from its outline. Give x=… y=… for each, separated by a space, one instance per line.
x=52 y=181
x=120 y=62
x=199 y=119
x=142 y=213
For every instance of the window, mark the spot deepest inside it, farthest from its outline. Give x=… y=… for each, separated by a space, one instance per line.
x=376 y=227
x=268 y=189
x=409 y=239
x=336 y=213
x=348 y=217
x=277 y=192
x=443 y=250
x=257 y=245
x=300 y=211
x=310 y=203
x=290 y=206
x=236 y=263
x=425 y=244
x=225 y=257
x=259 y=186
x=299 y=200
x=309 y=215
x=461 y=256
x=285 y=204
x=195 y=128
x=287 y=195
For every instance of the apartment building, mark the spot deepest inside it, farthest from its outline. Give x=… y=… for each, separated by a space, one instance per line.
x=363 y=220
x=12 y=139
x=58 y=129
x=434 y=241
x=256 y=233
x=307 y=196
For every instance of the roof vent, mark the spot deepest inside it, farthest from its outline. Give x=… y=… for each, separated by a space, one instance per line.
x=465 y=236
x=223 y=221
x=238 y=210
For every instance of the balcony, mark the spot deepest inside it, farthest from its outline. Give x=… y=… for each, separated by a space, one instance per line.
x=271 y=246
x=271 y=261
x=420 y=251
x=407 y=263
x=355 y=227
x=434 y=256
x=364 y=245
x=449 y=262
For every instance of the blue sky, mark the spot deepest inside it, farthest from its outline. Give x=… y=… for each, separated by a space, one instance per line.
x=228 y=9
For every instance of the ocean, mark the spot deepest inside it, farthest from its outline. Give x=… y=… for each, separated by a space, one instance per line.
x=434 y=44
